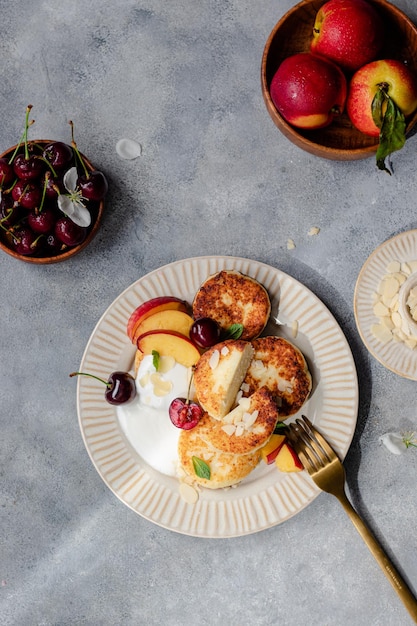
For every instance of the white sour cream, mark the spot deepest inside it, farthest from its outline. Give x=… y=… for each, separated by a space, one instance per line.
x=145 y=421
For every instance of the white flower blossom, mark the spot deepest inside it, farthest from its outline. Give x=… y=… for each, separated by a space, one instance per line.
x=72 y=203
x=398 y=443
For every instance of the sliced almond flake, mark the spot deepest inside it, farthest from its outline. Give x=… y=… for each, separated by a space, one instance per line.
x=225 y=350
x=393 y=267
x=188 y=493
x=228 y=419
x=314 y=230
x=390 y=286
x=410 y=343
x=229 y=429
x=294 y=329
x=214 y=359
x=400 y=276
x=413 y=266
x=380 y=310
x=387 y=321
x=240 y=429
x=405 y=267
x=238 y=396
x=397 y=319
x=245 y=387
x=244 y=403
x=381 y=333
x=250 y=418
x=290 y=244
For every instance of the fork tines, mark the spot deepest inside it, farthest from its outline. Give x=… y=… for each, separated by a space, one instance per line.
x=310 y=445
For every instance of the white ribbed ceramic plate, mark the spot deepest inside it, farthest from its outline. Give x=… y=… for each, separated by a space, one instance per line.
x=394 y=355
x=266 y=497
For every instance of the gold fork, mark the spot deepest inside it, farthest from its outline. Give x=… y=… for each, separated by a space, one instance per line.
x=327 y=471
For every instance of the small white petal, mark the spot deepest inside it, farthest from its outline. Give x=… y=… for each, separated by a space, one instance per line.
x=128 y=149
x=65 y=204
x=394 y=443
x=70 y=179
x=81 y=215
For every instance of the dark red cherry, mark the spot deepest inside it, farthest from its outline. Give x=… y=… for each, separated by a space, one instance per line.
x=184 y=414
x=27 y=194
x=53 y=245
x=25 y=241
x=6 y=172
x=28 y=168
x=68 y=232
x=60 y=155
x=94 y=186
x=42 y=221
x=121 y=387
x=10 y=213
x=205 y=332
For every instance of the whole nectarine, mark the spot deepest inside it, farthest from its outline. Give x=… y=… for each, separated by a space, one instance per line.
x=348 y=32
x=399 y=83
x=308 y=90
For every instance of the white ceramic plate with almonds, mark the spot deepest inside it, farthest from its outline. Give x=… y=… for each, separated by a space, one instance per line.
x=266 y=497
x=376 y=283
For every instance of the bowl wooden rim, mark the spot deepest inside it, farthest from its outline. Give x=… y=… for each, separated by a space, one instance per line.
x=63 y=256
x=291 y=132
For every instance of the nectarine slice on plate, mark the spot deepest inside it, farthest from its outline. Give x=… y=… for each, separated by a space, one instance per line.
x=152 y=306
x=287 y=459
x=270 y=450
x=169 y=319
x=169 y=343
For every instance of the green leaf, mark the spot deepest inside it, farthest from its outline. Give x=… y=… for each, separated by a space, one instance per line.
x=201 y=468
x=278 y=427
x=376 y=107
x=155 y=360
x=234 y=331
x=392 y=125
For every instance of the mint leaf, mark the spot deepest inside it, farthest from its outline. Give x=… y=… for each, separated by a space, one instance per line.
x=234 y=331
x=278 y=427
x=155 y=359
x=201 y=468
x=391 y=123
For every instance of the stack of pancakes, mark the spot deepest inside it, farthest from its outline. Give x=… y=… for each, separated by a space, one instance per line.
x=244 y=385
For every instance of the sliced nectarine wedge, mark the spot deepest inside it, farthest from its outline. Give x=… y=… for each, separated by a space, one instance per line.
x=169 y=343
x=271 y=448
x=152 y=306
x=287 y=459
x=169 y=319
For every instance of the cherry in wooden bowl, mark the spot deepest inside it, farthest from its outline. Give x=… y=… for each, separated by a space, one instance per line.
x=15 y=191
x=292 y=34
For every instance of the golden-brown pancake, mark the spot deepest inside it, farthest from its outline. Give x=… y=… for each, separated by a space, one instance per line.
x=230 y=297
x=226 y=469
x=279 y=366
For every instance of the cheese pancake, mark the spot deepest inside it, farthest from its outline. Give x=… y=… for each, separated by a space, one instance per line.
x=281 y=367
x=219 y=373
x=226 y=469
x=230 y=297
x=245 y=429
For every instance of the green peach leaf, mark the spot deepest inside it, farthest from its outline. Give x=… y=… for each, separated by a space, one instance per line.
x=392 y=135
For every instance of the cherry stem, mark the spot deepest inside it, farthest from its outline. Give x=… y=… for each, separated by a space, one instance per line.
x=49 y=164
x=28 y=110
x=17 y=148
x=45 y=184
x=77 y=152
x=91 y=376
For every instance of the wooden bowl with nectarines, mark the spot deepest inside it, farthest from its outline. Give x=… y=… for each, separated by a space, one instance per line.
x=292 y=34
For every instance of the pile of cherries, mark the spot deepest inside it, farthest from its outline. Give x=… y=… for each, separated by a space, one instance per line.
x=31 y=179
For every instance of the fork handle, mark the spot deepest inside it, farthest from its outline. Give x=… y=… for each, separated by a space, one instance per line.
x=389 y=569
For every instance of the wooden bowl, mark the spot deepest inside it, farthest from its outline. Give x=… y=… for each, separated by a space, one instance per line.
x=96 y=210
x=340 y=141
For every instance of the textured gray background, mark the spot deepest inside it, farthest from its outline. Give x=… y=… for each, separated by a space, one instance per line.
x=215 y=177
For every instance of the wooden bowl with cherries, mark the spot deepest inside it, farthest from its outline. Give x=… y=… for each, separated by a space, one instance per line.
x=293 y=34
x=51 y=200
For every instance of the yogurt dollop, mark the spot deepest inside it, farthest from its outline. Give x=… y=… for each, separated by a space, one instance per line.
x=145 y=421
